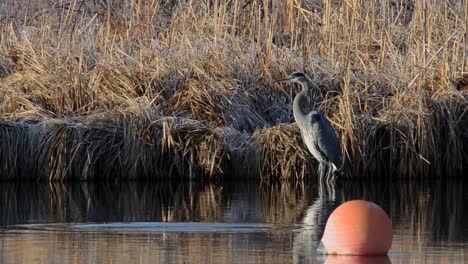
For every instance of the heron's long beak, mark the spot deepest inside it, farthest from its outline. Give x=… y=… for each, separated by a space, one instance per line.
x=285 y=79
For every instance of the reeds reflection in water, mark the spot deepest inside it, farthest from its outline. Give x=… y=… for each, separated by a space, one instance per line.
x=428 y=219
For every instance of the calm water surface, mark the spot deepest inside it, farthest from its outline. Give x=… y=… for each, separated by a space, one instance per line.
x=231 y=222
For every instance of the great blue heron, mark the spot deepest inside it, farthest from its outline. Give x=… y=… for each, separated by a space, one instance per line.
x=316 y=131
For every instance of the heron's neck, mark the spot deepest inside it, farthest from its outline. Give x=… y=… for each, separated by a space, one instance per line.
x=302 y=102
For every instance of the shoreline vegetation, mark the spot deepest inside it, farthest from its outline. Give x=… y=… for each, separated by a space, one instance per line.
x=159 y=89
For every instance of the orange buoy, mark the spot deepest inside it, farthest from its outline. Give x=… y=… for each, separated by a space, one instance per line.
x=358 y=228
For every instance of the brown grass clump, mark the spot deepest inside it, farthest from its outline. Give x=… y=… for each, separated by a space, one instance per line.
x=283 y=155
x=392 y=75
x=127 y=147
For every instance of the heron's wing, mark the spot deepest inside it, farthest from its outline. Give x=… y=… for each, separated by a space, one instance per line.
x=326 y=141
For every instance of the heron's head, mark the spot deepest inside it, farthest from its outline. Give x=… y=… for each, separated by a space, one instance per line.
x=297 y=77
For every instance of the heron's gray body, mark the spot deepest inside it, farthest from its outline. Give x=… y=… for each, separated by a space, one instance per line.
x=316 y=131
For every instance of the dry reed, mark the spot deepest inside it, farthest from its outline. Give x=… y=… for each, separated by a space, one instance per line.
x=126 y=147
x=190 y=82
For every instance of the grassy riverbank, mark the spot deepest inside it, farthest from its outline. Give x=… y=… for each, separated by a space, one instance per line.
x=165 y=88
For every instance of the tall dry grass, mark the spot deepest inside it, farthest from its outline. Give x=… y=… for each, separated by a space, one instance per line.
x=85 y=87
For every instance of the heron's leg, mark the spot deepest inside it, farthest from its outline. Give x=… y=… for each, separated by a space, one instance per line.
x=331 y=191
x=329 y=183
x=322 y=190
x=319 y=171
x=325 y=172
x=321 y=180
x=335 y=174
x=333 y=177
x=322 y=171
x=329 y=172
